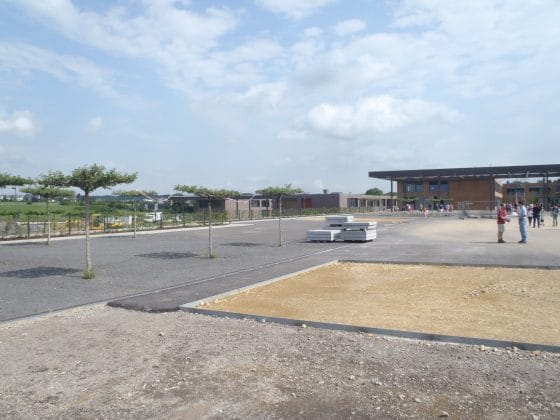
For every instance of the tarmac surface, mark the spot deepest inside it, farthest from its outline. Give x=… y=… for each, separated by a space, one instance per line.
x=159 y=271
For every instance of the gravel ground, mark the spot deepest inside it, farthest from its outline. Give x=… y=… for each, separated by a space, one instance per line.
x=102 y=362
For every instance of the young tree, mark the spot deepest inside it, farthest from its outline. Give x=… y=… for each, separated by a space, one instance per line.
x=13 y=180
x=374 y=191
x=88 y=179
x=278 y=193
x=210 y=195
x=49 y=187
x=136 y=195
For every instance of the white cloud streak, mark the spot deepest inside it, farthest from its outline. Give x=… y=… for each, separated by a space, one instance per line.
x=25 y=58
x=349 y=27
x=294 y=9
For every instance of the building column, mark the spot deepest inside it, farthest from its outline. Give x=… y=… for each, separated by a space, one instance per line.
x=545 y=191
x=392 y=203
x=493 y=192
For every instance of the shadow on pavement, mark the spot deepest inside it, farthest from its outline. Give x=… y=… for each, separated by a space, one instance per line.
x=37 y=272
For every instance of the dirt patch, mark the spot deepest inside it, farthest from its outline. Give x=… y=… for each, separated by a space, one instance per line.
x=494 y=303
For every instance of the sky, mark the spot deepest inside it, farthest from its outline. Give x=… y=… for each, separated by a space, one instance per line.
x=247 y=94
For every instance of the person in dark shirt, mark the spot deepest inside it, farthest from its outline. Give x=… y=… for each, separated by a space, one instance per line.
x=537 y=215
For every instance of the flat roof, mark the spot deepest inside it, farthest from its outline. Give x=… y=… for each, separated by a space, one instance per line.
x=519 y=171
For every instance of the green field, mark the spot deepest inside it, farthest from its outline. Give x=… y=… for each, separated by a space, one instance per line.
x=10 y=208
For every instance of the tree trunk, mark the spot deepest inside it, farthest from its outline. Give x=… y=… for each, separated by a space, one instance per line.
x=210 y=249
x=280 y=221
x=89 y=271
x=48 y=222
x=135 y=212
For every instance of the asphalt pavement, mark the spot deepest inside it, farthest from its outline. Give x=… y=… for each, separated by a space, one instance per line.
x=159 y=271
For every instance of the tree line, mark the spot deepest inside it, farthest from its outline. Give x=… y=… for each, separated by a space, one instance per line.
x=56 y=184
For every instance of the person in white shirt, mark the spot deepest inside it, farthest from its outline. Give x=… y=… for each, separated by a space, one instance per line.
x=522 y=213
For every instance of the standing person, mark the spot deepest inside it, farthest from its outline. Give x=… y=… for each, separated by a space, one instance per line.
x=537 y=215
x=502 y=219
x=522 y=213
x=555 y=211
x=530 y=213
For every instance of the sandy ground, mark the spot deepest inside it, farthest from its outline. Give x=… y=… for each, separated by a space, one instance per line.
x=496 y=303
x=101 y=362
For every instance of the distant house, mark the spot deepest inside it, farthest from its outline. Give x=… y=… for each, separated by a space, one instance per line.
x=248 y=205
x=337 y=200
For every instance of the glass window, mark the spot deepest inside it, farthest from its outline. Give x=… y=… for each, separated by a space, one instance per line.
x=436 y=186
x=409 y=188
x=419 y=187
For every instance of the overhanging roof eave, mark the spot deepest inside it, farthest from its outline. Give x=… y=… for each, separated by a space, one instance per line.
x=522 y=171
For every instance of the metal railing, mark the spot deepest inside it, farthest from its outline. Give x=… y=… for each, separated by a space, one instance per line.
x=30 y=226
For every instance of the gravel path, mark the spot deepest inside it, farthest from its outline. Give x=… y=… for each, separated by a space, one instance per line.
x=103 y=362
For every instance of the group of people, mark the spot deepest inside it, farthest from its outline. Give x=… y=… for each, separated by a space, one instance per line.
x=532 y=213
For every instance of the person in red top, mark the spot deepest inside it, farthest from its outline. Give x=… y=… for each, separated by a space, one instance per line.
x=502 y=219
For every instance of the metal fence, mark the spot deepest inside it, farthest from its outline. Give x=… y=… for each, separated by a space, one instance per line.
x=29 y=226
x=17 y=226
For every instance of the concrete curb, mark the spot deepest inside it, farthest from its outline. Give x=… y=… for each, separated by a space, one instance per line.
x=452 y=264
x=380 y=331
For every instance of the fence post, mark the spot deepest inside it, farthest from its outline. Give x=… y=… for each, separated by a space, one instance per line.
x=28 y=226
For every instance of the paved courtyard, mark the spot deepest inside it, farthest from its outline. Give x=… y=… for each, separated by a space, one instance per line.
x=35 y=278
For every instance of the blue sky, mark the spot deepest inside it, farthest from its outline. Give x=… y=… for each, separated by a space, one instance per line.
x=255 y=93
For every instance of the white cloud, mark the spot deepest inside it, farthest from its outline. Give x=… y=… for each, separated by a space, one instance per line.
x=95 y=124
x=374 y=114
x=313 y=32
x=19 y=124
x=349 y=27
x=294 y=9
x=263 y=96
x=22 y=58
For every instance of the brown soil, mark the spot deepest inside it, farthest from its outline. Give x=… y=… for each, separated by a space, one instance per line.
x=496 y=303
